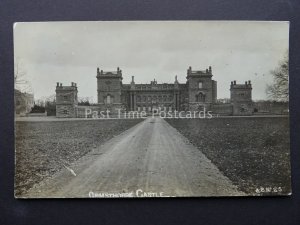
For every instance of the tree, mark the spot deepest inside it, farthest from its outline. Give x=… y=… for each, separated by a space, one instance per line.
x=49 y=103
x=50 y=107
x=279 y=90
x=21 y=83
x=85 y=101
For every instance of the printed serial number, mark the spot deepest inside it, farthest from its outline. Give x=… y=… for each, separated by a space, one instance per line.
x=268 y=190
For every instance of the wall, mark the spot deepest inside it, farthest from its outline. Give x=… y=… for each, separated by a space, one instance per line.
x=268 y=107
x=207 y=88
x=65 y=111
x=222 y=109
x=111 y=86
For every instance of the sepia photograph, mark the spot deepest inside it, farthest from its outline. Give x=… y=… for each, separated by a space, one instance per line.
x=146 y=109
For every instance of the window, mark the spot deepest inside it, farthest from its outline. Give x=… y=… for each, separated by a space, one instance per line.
x=200 y=97
x=108 y=100
x=200 y=84
x=138 y=98
x=65 y=112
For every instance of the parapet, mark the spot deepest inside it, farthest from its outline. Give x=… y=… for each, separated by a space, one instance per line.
x=247 y=85
x=117 y=73
x=59 y=86
x=206 y=72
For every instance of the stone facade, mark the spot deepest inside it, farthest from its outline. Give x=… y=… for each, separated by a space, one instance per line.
x=241 y=98
x=270 y=107
x=199 y=92
x=202 y=90
x=23 y=102
x=66 y=100
x=109 y=88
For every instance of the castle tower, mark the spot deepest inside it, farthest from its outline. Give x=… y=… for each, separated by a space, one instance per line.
x=241 y=98
x=109 y=85
x=202 y=90
x=66 y=100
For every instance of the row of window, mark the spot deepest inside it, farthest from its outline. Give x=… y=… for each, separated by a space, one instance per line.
x=163 y=98
x=150 y=109
x=154 y=87
x=200 y=85
x=199 y=98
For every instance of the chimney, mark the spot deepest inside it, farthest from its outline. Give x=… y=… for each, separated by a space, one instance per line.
x=132 y=79
x=60 y=84
x=249 y=82
x=246 y=83
x=98 y=71
x=72 y=84
x=234 y=82
x=75 y=84
x=210 y=70
x=231 y=82
x=57 y=84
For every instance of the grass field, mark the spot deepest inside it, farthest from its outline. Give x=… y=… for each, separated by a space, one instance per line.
x=253 y=152
x=43 y=148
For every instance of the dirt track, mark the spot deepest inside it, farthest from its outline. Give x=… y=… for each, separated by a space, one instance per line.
x=151 y=156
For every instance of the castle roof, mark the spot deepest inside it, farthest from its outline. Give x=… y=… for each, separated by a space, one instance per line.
x=207 y=72
x=247 y=85
x=59 y=86
x=101 y=73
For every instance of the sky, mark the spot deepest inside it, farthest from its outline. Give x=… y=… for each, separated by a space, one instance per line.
x=65 y=52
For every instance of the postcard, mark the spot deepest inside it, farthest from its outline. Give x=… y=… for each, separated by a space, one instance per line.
x=129 y=109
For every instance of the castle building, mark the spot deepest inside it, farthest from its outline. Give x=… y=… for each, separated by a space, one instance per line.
x=24 y=102
x=241 y=98
x=66 y=100
x=198 y=93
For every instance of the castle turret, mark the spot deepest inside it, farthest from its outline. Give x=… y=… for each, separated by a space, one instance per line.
x=176 y=83
x=241 y=98
x=201 y=87
x=66 y=100
x=132 y=84
x=109 y=87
